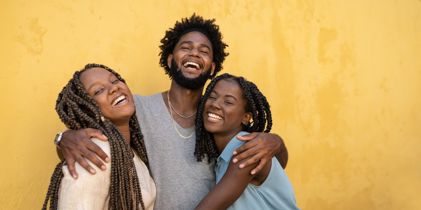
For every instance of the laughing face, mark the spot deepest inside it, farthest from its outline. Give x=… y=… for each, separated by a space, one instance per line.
x=191 y=63
x=225 y=109
x=112 y=96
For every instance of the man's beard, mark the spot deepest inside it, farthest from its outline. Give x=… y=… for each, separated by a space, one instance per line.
x=192 y=84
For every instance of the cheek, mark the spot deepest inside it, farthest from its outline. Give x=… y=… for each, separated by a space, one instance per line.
x=237 y=117
x=207 y=105
x=102 y=104
x=208 y=61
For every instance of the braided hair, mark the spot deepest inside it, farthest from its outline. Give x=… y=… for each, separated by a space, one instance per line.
x=256 y=103
x=194 y=23
x=77 y=110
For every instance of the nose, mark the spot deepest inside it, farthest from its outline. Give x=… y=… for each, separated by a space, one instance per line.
x=215 y=104
x=113 y=88
x=194 y=51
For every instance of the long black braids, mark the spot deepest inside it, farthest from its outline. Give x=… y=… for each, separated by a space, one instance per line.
x=78 y=110
x=256 y=104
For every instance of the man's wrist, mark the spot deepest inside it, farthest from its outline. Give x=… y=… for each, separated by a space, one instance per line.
x=58 y=139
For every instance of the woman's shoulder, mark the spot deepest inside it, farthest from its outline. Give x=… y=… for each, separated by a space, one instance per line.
x=83 y=174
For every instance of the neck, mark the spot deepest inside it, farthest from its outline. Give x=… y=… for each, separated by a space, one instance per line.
x=183 y=99
x=222 y=139
x=125 y=131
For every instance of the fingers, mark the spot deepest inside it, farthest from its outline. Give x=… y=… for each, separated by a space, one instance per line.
x=71 y=167
x=95 y=160
x=94 y=133
x=82 y=162
x=77 y=146
x=244 y=151
x=254 y=157
x=247 y=137
x=260 y=166
x=98 y=152
x=244 y=147
x=250 y=161
x=70 y=161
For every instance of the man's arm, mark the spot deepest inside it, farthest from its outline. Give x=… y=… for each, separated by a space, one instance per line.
x=282 y=154
x=260 y=148
x=77 y=146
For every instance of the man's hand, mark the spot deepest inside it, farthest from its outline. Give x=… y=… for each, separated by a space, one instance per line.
x=261 y=147
x=76 y=146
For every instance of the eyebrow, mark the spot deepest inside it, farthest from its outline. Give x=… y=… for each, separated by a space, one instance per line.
x=225 y=96
x=96 y=82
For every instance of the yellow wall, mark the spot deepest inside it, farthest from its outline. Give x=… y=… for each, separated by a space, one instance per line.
x=343 y=79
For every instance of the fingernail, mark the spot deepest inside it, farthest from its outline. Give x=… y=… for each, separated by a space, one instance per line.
x=241 y=165
x=92 y=171
x=107 y=159
x=253 y=172
x=74 y=176
x=104 y=136
x=234 y=160
x=103 y=167
x=235 y=152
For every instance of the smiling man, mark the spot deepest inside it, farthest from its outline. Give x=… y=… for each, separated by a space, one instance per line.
x=191 y=53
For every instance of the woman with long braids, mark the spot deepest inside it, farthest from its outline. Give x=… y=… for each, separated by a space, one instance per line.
x=233 y=106
x=97 y=97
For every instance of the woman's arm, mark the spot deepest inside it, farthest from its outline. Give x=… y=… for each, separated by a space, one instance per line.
x=229 y=189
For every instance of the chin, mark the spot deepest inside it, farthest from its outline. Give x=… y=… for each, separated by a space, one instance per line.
x=212 y=129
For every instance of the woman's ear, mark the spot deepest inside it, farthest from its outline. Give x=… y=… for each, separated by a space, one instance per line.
x=247 y=118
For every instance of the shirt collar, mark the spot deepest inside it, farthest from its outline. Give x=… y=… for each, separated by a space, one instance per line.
x=234 y=143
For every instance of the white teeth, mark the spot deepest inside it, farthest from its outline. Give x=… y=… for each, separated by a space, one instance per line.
x=118 y=99
x=214 y=116
x=191 y=63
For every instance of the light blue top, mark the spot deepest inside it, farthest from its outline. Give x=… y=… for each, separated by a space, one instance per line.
x=274 y=193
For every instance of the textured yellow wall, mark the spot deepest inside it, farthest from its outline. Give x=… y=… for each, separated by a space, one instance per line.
x=343 y=79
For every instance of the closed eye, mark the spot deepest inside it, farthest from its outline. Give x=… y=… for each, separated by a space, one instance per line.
x=98 y=91
x=185 y=47
x=229 y=102
x=212 y=97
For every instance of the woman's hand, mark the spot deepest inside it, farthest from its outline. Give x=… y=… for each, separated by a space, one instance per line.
x=76 y=146
x=260 y=148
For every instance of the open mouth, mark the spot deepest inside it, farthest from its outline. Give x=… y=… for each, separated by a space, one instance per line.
x=119 y=100
x=214 y=117
x=192 y=64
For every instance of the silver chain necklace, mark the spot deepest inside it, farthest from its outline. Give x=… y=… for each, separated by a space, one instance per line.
x=172 y=108
x=173 y=121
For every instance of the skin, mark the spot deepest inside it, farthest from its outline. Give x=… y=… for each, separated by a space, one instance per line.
x=104 y=87
x=227 y=102
x=194 y=47
x=112 y=96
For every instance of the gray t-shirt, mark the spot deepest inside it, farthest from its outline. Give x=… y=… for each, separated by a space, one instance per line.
x=181 y=180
